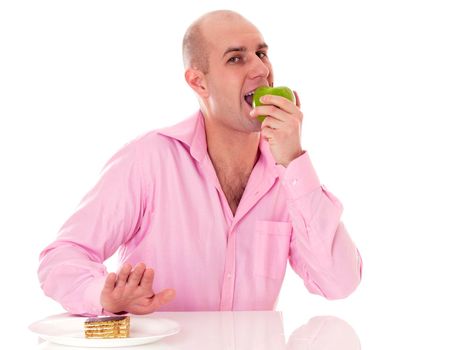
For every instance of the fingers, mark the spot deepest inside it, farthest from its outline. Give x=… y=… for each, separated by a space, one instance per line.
x=135 y=276
x=147 y=279
x=270 y=110
x=131 y=279
x=279 y=101
x=272 y=123
x=131 y=290
x=110 y=283
x=297 y=99
x=107 y=293
x=278 y=108
x=123 y=274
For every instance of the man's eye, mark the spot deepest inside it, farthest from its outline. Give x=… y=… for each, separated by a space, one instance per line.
x=234 y=59
x=261 y=54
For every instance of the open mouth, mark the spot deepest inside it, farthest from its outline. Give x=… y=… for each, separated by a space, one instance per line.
x=249 y=98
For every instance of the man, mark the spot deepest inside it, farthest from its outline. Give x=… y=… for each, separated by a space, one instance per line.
x=216 y=204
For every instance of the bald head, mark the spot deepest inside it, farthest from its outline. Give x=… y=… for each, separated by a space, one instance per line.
x=195 y=45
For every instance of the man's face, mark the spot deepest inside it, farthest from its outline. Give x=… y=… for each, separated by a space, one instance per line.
x=238 y=64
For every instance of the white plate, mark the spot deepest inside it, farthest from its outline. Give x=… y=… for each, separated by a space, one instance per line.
x=69 y=330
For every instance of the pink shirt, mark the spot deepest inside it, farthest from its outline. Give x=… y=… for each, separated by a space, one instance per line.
x=159 y=199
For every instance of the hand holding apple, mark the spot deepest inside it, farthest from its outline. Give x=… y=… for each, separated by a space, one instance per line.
x=269 y=90
x=278 y=109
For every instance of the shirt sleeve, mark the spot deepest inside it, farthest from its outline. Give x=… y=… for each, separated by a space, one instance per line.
x=321 y=251
x=71 y=269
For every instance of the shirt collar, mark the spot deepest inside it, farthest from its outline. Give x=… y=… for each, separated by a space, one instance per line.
x=191 y=132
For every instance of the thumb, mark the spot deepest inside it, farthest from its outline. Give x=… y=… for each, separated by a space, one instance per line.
x=161 y=298
x=167 y=295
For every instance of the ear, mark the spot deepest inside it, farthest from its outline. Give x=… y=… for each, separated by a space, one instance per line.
x=196 y=80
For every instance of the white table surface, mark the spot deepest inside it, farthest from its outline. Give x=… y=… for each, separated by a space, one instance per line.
x=241 y=330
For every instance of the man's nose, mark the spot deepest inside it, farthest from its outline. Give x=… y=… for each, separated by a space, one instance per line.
x=258 y=68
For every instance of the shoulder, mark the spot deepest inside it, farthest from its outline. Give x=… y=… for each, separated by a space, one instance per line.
x=151 y=143
x=176 y=137
x=164 y=144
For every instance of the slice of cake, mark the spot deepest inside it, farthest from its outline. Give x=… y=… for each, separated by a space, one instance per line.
x=107 y=327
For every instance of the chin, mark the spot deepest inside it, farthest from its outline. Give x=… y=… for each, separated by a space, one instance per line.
x=253 y=126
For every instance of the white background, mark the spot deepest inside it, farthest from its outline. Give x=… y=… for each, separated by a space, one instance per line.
x=382 y=90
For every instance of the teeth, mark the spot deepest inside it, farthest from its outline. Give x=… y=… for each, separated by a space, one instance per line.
x=250 y=93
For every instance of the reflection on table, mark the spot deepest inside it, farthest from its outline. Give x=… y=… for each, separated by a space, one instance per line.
x=253 y=330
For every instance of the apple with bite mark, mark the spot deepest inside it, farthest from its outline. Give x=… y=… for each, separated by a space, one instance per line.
x=269 y=90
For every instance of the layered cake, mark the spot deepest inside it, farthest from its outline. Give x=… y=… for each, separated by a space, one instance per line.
x=107 y=327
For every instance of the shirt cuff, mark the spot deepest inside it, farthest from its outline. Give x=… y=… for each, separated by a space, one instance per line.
x=299 y=177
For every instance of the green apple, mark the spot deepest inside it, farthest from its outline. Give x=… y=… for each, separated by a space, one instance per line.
x=269 y=90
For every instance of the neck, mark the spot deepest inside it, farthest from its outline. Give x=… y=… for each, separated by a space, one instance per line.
x=231 y=150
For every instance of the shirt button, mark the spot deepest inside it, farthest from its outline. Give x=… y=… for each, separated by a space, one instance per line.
x=294 y=182
x=229 y=275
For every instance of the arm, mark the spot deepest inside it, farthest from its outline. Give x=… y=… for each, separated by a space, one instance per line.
x=71 y=269
x=321 y=251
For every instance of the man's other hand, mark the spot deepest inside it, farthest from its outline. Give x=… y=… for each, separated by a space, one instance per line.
x=131 y=290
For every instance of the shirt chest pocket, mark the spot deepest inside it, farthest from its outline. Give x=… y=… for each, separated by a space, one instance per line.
x=271 y=248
